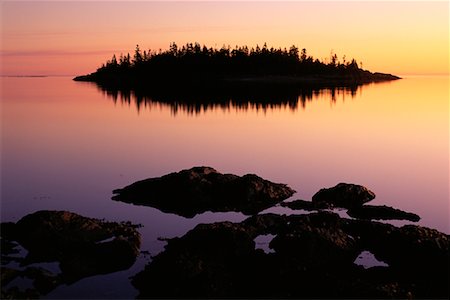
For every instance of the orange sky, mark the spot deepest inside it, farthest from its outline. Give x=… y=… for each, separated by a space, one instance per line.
x=69 y=38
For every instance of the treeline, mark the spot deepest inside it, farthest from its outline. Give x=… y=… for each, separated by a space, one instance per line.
x=193 y=61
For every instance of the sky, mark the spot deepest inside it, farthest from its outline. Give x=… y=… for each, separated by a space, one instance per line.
x=74 y=38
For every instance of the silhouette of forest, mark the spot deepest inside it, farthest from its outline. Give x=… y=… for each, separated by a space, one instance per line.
x=193 y=63
x=195 y=78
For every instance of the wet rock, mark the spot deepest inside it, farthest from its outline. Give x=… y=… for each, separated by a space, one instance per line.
x=42 y=280
x=302 y=204
x=313 y=257
x=383 y=212
x=82 y=246
x=316 y=240
x=265 y=224
x=343 y=195
x=416 y=255
x=209 y=261
x=201 y=189
x=351 y=197
x=17 y=293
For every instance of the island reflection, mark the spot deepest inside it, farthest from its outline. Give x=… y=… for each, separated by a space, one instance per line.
x=196 y=100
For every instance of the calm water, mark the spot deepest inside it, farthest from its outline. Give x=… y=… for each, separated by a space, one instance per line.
x=66 y=145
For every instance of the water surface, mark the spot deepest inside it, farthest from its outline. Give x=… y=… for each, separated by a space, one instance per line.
x=66 y=145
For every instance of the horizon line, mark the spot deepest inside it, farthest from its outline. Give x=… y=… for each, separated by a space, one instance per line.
x=67 y=75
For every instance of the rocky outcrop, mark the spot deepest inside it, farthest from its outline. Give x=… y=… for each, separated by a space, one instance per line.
x=367 y=212
x=383 y=212
x=416 y=255
x=200 y=189
x=343 y=195
x=82 y=246
x=313 y=257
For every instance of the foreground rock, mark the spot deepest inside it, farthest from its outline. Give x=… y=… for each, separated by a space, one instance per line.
x=343 y=195
x=201 y=189
x=313 y=258
x=383 y=212
x=82 y=246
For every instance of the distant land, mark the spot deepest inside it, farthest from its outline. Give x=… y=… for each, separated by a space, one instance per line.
x=193 y=64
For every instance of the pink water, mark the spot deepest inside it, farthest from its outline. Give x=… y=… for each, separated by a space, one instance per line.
x=66 y=146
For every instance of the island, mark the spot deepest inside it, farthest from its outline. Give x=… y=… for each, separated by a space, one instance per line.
x=196 y=66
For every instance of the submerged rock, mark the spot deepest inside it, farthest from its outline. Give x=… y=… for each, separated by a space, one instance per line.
x=343 y=195
x=200 y=189
x=82 y=246
x=313 y=257
x=382 y=212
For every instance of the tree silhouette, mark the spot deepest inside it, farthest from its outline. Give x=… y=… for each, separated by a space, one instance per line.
x=137 y=58
x=193 y=62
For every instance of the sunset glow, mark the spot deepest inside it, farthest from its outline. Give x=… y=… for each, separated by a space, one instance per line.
x=72 y=38
x=177 y=148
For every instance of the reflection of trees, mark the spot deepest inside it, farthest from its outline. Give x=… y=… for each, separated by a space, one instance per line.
x=194 y=78
x=194 y=100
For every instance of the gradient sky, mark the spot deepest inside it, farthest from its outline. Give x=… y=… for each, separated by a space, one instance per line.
x=72 y=38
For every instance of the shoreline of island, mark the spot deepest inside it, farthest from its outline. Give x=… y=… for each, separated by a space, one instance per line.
x=241 y=66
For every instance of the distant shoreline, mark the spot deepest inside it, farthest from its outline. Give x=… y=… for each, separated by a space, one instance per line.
x=20 y=76
x=276 y=80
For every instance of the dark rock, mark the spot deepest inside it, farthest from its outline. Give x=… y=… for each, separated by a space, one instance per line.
x=381 y=213
x=208 y=261
x=316 y=240
x=265 y=224
x=343 y=195
x=201 y=189
x=301 y=204
x=17 y=293
x=313 y=258
x=63 y=236
x=7 y=230
x=368 y=212
x=43 y=282
x=83 y=246
x=416 y=254
x=7 y=275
